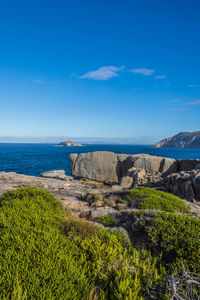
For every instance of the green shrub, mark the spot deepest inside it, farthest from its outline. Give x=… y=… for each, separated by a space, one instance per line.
x=125 y=273
x=174 y=235
x=76 y=227
x=46 y=255
x=107 y=220
x=121 y=201
x=178 y=236
x=149 y=198
x=36 y=259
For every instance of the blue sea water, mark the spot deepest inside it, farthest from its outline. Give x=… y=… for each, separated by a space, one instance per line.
x=33 y=159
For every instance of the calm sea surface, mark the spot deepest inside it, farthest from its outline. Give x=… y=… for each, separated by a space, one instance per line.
x=33 y=159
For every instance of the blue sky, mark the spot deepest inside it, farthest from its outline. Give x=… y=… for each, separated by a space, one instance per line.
x=112 y=69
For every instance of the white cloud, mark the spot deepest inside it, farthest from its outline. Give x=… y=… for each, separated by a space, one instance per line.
x=103 y=73
x=160 y=77
x=191 y=85
x=39 y=81
x=142 y=71
x=197 y=103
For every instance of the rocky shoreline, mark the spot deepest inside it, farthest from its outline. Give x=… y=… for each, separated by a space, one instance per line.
x=90 y=199
x=180 y=177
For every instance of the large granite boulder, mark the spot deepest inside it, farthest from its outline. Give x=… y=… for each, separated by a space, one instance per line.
x=123 y=169
x=99 y=166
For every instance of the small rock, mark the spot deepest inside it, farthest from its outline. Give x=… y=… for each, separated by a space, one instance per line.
x=97 y=203
x=57 y=174
x=126 y=182
x=121 y=206
x=96 y=213
x=141 y=173
x=111 y=200
x=116 y=187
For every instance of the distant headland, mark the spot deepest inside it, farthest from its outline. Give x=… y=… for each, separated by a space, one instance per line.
x=181 y=140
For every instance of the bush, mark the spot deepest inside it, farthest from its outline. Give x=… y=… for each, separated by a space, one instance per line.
x=120 y=201
x=76 y=227
x=107 y=220
x=46 y=255
x=178 y=237
x=149 y=198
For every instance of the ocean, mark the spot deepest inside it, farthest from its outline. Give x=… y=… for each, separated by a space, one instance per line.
x=33 y=159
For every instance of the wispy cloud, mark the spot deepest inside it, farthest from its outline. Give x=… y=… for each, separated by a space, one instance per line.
x=195 y=103
x=103 y=73
x=191 y=85
x=160 y=77
x=177 y=109
x=39 y=81
x=142 y=71
x=173 y=101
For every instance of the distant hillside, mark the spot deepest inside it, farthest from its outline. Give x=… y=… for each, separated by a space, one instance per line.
x=181 y=140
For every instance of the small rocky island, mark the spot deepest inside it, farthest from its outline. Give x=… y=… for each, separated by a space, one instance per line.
x=181 y=140
x=69 y=144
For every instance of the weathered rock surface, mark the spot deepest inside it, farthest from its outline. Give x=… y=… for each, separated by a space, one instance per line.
x=126 y=182
x=90 y=201
x=100 y=212
x=69 y=144
x=185 y=184
x=57 y=174
x=181 y=140
x=99 y=166
x=72 y=193
x=126 y=170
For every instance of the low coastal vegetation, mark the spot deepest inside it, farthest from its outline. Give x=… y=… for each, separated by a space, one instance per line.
x=148 y=198
x=107 y=220
x=46 y=253
x=178 y=237
x=174 y=235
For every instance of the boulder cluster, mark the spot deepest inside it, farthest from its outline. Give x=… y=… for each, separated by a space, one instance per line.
x=185 y=184
x=120 y=170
